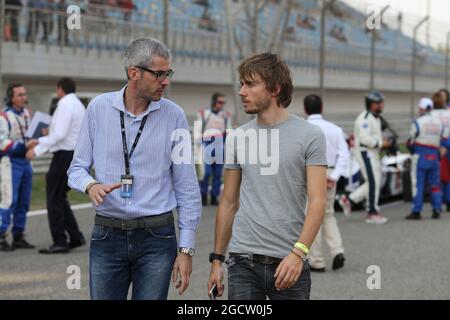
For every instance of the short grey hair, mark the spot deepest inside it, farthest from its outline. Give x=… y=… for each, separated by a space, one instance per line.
x=141 y=51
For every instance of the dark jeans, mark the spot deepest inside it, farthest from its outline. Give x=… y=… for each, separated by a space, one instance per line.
x=252 y=280
x=34 y=20
x=60 y=217
x=143 y=257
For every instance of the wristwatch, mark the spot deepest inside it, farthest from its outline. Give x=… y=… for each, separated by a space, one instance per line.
x=189 y=251
x=215 y=256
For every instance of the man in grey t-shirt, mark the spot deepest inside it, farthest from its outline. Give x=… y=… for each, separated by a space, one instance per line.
x=273 y=164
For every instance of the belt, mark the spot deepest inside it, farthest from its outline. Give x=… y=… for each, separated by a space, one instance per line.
x=136 y=223
x=258 y=258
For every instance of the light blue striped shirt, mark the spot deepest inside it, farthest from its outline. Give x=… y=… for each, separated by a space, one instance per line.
x=159 y=184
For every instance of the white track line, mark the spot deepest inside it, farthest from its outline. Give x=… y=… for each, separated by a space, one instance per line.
x=44 y=211
x=392 y=204
x=89 y=205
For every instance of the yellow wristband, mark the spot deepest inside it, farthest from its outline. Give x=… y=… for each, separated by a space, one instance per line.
x=300 y=246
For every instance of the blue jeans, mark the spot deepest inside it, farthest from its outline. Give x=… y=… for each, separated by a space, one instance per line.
x=22 y=176
x=252 y=280
x=143 y=257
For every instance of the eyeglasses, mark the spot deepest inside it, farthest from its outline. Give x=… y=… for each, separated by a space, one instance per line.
x=221 y=102
x=160 y=75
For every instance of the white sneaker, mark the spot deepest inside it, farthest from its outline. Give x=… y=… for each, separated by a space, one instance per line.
x=376 y=219
x=345 y=204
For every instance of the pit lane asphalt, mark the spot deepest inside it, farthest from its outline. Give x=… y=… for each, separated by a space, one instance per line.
x=412 y=256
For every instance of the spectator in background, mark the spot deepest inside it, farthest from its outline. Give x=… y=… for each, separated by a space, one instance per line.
x=127 y=6
x=96 y=8
x=338 y=33
x=369 y=142
x=13 y=126
x=215 y=121
x=206 y=22
x=446 y=96
x=12 y=11
x=63 y=34
x=289 y=34
x=306 y=22
x=424 y=142
x=338 y=161
x=39 y=13
x=61 y=140
x=441 y=111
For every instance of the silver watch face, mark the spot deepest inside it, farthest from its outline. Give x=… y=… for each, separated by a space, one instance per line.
x=188 y=251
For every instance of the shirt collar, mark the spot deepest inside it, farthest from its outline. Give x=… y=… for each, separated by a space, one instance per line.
x=66 y=97
x=11 y=108
x=119 y=104
x=315 y=117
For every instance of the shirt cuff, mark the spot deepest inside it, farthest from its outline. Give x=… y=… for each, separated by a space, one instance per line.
x=85 y=183
x=334 y=176
x=187 y=238
x=39 y=150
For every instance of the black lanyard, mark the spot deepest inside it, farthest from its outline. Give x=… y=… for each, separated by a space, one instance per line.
x=124 y=141
x=20 y=126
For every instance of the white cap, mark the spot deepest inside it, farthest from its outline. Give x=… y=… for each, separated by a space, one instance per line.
x=425 y=103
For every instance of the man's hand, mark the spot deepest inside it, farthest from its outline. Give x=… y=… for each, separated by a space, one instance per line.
x=30 y=154
x=288 y=271
x=44 y=131
x=216 y=277
x=443 y=151
x=330 y=183
x=31 y=144
x=387 y=143
x=183 y=268
x=98 y=191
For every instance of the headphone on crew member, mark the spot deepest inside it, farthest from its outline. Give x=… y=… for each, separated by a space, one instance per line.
x=10 y=92
x=215 y=97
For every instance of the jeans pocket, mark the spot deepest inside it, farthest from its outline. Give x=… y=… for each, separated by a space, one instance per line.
x=164 y=232
x=99 y=233
x=239 y=260
x=305 y=265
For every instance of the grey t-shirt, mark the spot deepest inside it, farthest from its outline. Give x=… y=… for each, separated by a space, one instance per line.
x=273 y=192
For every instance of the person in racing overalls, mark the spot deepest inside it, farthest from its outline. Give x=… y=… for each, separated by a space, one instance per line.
x=14 y=122
x=426 y=134
x=368 y=143
x=441 y=111
x=215 y=123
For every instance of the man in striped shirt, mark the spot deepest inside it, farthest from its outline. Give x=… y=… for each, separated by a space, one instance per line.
x=128 y=138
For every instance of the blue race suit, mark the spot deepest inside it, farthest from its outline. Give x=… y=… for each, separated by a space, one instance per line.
x=214 y=126
x=13 y=126
x=425 y=139
x=444 y=115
